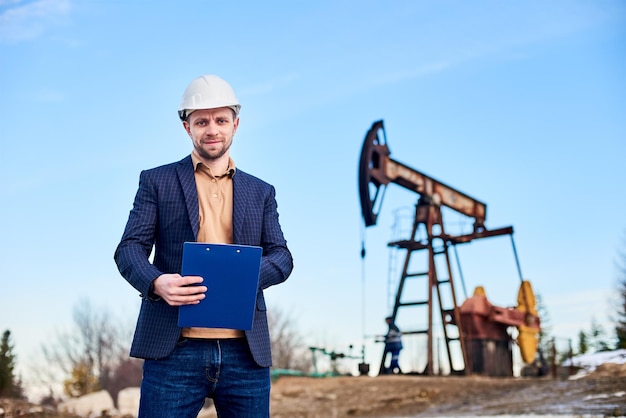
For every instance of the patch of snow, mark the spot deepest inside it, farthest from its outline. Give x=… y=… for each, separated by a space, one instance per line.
x=603 y=396
x=588 y=362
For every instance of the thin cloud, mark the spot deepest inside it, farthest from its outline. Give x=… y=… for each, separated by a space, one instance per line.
x=409 y=74
x=573 y=300
x=503 y=38
x=573 y=312
x=270 y=85
x=24 y=21
x=4 y=3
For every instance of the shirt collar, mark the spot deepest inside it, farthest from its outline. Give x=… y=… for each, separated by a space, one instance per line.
x=230 y=171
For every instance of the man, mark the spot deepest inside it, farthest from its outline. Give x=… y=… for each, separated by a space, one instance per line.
x=201 y=198
x=393 y=345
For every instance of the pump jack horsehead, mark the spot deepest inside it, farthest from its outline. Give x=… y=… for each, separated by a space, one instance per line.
x=473 y=327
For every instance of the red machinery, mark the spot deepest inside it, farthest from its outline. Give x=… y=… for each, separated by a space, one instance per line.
x=479 y=325
x=485 y=327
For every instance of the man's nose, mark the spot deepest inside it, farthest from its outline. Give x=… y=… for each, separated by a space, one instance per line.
x=212 y=128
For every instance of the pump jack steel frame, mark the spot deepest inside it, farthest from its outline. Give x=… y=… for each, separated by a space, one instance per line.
x=376 y=171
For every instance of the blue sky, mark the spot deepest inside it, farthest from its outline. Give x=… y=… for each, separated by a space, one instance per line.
x=521 y=105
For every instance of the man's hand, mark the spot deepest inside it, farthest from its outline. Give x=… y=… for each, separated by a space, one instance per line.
x=179 y=290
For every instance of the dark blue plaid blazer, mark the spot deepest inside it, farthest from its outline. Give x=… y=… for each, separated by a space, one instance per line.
x=165 y=215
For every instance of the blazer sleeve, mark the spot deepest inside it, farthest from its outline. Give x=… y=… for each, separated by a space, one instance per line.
x=277 y=261
x=133 y=252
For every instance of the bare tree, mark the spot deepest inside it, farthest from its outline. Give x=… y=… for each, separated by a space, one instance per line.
x=128 y=373
x=288 y=350
x=92 y=355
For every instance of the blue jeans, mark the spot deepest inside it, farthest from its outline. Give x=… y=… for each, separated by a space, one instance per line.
x=224 y=370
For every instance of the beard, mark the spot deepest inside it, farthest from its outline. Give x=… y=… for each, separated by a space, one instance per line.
x=214 y=153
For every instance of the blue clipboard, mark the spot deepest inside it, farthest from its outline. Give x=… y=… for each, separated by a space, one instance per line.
x=231 y=275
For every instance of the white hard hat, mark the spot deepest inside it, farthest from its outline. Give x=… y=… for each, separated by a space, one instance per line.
x=207 y=92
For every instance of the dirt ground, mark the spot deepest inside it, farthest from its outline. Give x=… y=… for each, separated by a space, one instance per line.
x=601 y=393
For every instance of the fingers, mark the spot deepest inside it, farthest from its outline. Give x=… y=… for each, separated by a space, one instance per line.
x=179 y=290
x=185 y=299
x=190 y=280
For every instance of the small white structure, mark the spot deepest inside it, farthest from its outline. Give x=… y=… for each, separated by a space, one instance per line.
x=128 y=401
x=91 y=405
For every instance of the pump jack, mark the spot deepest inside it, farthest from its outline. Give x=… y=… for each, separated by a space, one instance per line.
x=376 y=171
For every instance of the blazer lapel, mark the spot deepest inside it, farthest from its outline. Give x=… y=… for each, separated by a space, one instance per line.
x=188 y=183
x=238 y=205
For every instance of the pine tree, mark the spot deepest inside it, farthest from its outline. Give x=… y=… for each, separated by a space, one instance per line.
x=598 y=336
x=545 y=337
x=620 y=321
x=620 y=328
x=7 y=365
x=583 y=342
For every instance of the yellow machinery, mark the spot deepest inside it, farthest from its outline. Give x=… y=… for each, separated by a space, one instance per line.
x=528 y=338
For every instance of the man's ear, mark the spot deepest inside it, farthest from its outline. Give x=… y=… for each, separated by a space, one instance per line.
x=235 y=124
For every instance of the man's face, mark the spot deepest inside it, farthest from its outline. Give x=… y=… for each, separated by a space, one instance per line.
x=212 y=131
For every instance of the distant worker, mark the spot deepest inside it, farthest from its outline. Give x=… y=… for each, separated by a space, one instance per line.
x=393 y=346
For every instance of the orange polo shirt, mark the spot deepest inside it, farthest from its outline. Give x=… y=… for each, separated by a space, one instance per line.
x=215 y=201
